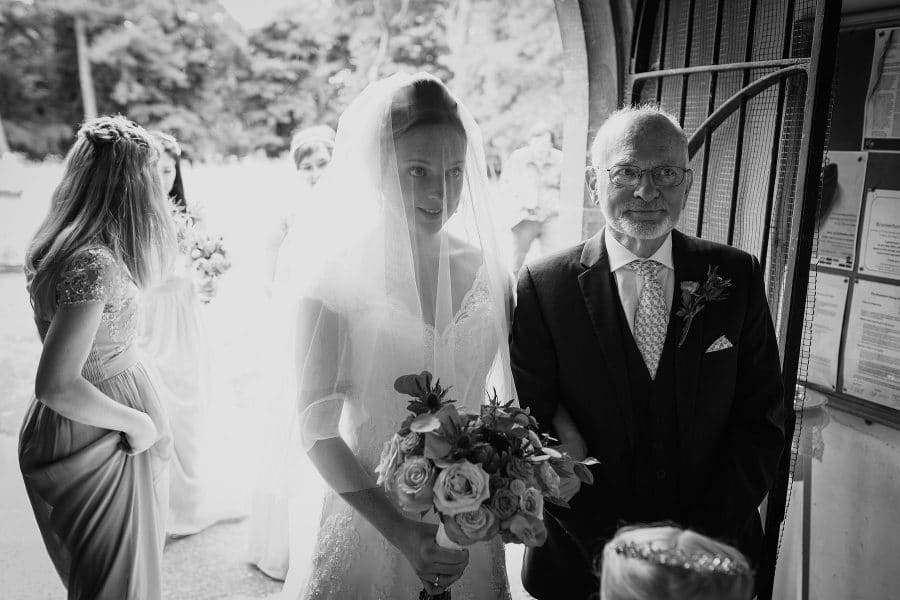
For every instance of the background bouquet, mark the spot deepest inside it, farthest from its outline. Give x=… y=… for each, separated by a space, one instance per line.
x=485 y=474
x=210 y=261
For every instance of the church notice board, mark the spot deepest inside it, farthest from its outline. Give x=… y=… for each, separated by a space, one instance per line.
x=855 y=327
x=855 y=349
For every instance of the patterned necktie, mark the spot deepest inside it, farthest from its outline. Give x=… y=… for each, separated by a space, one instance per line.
x=651 y=317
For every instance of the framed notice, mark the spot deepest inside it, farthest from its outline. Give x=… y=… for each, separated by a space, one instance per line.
x=872 y=347
x=880 y=244
x=882 y=121
x=827 y=324
x=842 y=193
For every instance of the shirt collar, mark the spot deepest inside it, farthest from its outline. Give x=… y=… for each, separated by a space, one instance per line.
x=620 y=256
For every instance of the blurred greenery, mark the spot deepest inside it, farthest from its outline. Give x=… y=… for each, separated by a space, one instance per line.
x=189 y=68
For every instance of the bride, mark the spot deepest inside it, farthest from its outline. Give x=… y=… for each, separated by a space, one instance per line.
x=410 y=280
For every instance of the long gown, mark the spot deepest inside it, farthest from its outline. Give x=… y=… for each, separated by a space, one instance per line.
x=173 y=337
x=350 y=559
x=101 y=511
x=268 y=538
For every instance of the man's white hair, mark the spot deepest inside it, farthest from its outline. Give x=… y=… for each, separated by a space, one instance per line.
x=641 y=115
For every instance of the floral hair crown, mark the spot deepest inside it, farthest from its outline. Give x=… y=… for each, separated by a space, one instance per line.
x=111 y=129
x=673 y=557
x=168 y=142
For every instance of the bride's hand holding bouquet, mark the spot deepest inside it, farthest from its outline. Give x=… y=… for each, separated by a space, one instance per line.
x=484 y=475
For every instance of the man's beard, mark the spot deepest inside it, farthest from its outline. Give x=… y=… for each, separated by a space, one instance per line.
x=643 y=230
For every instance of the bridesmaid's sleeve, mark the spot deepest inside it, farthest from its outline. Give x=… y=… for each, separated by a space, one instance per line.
x=87 y=278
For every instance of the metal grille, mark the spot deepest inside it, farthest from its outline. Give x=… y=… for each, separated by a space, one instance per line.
x=753 y=187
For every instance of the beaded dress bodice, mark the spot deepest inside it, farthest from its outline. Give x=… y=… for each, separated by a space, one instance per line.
x=94 y=275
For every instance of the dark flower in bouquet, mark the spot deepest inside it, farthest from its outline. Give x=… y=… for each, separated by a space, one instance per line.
x=484 y=475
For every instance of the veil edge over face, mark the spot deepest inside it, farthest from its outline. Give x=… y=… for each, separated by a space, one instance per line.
x=379 y=247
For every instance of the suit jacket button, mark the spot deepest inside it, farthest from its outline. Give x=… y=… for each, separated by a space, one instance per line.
x=660 y=474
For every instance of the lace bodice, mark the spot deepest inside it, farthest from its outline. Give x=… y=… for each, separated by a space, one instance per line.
x=94 y=275
x=351 y=559
x=466 y=348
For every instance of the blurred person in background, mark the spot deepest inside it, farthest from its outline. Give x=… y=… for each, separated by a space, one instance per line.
x=95 y=445
x=173 y=336
x=311 y=150
x=531 y=180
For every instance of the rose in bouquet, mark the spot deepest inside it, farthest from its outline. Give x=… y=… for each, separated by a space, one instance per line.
x=210 y=261
x=486 y=474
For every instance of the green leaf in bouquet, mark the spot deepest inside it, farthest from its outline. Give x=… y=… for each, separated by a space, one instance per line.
x=551 y=452
x=437 y=447
x=404 y=427
x=413 y=385
x=564 y=467
x=522 y=419
x=536 y=458
x=425 y=423
x=416 y=407
x=590 y=460
x=557 y=501
x=584 y=474
x=519 y=433
x=452 y=422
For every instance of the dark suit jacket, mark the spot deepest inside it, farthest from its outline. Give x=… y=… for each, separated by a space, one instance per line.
x=566 y=348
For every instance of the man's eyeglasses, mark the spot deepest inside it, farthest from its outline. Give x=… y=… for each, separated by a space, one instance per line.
x=663 y=176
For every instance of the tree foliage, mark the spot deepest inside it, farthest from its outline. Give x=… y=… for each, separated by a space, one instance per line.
x=187 y=67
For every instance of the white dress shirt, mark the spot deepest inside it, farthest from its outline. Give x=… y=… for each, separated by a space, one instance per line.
x=629 y=283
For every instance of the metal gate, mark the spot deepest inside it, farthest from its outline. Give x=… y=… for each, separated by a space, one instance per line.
x=750 y=81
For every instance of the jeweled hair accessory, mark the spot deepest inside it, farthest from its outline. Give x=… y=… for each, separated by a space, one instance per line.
x=109 y=130
x=675 y=557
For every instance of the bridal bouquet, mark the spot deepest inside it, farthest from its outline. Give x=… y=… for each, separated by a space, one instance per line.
x=485 y=475
x=210 y=261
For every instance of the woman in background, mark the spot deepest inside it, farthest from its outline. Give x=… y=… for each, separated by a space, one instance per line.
x=311 y=150
x=95 y=444
x=669 y=563
x=172 y=336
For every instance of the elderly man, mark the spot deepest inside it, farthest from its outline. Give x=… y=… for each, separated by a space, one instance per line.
x=662 y=349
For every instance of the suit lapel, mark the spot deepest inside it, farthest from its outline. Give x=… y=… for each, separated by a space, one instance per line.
x=690 y=265
x=601 y=298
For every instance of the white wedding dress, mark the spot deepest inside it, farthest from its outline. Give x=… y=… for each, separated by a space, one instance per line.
x=360 y=309
x=352 y=560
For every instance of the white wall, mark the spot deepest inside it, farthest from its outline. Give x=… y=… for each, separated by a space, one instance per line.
x=854 y=515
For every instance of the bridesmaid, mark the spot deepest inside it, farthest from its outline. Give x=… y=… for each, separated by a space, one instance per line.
x=173 y=338
x=95 y=444
x=311 y=150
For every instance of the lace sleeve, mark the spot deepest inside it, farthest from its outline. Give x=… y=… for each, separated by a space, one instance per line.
x=87 y=278
x=323 y=371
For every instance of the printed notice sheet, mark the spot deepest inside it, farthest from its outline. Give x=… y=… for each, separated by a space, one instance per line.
x=882 y=121
x=828 y=320
x=880 y=249
x=842 y=193
x=872 y=351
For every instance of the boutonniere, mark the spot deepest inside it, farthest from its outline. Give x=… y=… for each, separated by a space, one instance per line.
x=695 y=296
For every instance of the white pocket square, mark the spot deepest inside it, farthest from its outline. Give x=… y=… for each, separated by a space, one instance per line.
x=720 y=344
